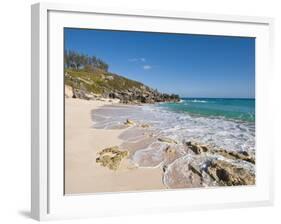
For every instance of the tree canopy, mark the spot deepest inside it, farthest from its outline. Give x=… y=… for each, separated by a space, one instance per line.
x=75 y=60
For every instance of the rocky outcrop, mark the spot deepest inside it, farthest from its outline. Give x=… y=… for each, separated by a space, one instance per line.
x=229 y=174
x=111 y=157
x=200 y=148
x=80 y=93
x=205 y=166
x=235 y=155
x=144 y=95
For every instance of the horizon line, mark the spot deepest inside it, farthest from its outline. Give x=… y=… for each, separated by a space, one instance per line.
x=252 y=98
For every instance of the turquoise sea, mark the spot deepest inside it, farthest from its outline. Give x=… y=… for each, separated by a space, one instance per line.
x=228 y=108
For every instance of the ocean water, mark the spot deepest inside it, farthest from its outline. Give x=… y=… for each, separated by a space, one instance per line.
x=221 y=123
x=235 y=109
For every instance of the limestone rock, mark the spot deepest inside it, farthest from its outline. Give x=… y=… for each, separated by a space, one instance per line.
x=80 y=94
x=195 y=168
x=111 y=157
x=167 y=140
x=226 y=173
x=235 y=155
x=197 y=148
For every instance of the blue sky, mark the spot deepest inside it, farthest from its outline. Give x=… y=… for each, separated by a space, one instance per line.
x=188 y=65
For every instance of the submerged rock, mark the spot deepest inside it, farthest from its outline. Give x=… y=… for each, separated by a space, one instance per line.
x=144 y=125
x=167 y=140
x=151 y=156
x=111 y=157
x=170 y=154
x=205 y=166
x=228 y=174
x=169 y=150
x=181 y=174
x=197 y=148
x=235 y=155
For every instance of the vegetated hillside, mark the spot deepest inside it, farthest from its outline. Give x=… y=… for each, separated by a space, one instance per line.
x=88 y=82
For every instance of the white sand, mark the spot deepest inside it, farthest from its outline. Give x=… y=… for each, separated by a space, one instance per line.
x=82 y=142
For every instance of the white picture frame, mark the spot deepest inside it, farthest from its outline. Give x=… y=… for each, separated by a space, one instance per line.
x=47 y=198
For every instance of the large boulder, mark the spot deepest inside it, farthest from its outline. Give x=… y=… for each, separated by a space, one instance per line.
x=226 y=173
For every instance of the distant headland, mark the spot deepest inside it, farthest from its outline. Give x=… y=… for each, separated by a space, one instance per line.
x=89 y=78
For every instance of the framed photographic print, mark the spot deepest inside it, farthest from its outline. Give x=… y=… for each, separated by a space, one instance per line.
x=148 y=111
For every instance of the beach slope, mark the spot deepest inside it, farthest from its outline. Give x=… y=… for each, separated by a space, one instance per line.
x=82 y=144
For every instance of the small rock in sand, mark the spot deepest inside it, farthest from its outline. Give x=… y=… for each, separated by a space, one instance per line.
x=129 y=122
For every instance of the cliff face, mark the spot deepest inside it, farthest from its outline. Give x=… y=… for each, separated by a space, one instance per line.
x=109 y=85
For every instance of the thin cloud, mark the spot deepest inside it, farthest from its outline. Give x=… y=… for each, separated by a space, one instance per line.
x=137 y=60
x=147 y=67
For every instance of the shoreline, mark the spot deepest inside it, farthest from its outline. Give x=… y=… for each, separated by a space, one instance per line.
x=82 y=173
x=154 y=161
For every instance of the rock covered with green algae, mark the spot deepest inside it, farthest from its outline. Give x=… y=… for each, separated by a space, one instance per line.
x=111 y=157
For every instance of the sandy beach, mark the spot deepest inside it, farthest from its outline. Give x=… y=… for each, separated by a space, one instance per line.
x=147 y=122
x=82 y=144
